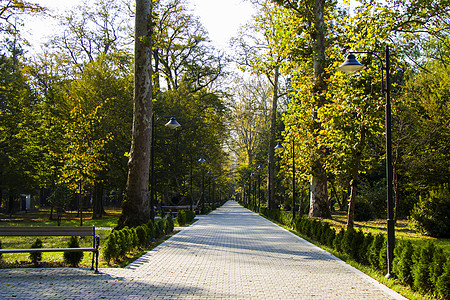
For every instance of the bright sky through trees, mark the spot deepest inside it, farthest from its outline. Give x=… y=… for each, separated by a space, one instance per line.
x=221 y=18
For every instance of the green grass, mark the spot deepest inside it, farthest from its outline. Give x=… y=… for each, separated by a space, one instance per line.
x=42 y=218
x=403 y=230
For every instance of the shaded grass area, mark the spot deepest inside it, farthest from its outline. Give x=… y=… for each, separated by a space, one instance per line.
x=403 y=230
x=55 y=259
x=42 y=218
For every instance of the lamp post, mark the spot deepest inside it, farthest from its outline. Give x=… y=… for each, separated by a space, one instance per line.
x=202 y=161
x=172 y=124
x=279 y=146
x=259 y=186
x=350 y=66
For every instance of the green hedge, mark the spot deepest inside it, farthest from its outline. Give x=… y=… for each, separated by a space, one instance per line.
x=121 y=242
x=425 y=269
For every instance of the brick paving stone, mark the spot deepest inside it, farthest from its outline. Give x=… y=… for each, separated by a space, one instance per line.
x=232 y=253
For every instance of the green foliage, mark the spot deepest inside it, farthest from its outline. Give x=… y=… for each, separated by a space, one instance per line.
x=168 y=225
x=437 y=266
x=430 y=214
x=337 y=242
x=363 y=211
x=443 y=282
x=73 y=258
x=375 y=249
x=181 y=217
x=422 y=258
x=111 y=248
x=36 y=257
x=142 y=235
x=190 y=216
x=403 y=262
x=364 y=249
x=159 y=228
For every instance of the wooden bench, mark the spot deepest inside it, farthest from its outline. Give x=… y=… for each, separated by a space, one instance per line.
x=54 y=231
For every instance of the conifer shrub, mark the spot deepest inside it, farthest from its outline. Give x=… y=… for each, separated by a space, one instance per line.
x=364 y=249
x=159 y=228
x=443 y=282
x=190 y=216
x=347 y=241
x=168 y=225
x=181 y=217
x=338 y=240
x=375 y=249
x=421 y=269
x=437 y=266
x=141 y=232
x=36 y=257
x=73 y=258
x=382 y=260
x=150 y=231
x=403 y=267
x=111 y=249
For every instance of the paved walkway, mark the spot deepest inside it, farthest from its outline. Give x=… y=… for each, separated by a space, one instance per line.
x=230 y=254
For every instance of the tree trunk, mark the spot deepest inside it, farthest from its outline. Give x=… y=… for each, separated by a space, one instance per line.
x=355 y=179
x=319 y=195
x=273 y=125
x=136 y=208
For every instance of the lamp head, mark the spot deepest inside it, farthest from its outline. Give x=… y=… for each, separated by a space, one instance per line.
x=351 y=65
x=279 y=146
x=172 y=124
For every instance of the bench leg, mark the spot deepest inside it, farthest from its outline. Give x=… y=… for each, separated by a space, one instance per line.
x=96 y=262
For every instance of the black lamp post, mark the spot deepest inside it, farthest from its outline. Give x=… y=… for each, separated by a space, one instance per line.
x=350 y=66
x=202 y=160
x=279 y=146
x=172 y=124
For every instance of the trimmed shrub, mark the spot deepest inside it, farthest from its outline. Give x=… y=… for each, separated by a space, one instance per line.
x=421 y=270
x=168 y=225
x=111 y=250
x=141 y=232
x=338 y=239
x=190 y=216
x=437 y=266
x=403 y=267
x=36 y=257
x=73 y=258
x=181 y=217
x=443 y=282
x=364 y=249
x=150 y=231
x=159 y=228
x=375 y=249
x=347 y=241
x=382 y=260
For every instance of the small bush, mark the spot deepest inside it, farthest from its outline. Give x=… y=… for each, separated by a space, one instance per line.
x=437 y=266
x=382 y=259
x=159 y=228
x=375 y=249
x=403 y=267
x=190 y=216
x=112 y=247
x=338 y=239
x=150 y=231
x=364 y=249
x=36 y=257
x=168 y=225
x=430 y=214
x=141 y=232
x=181 y=217
x=73 y=258
x=421 y=270
x=443 y=282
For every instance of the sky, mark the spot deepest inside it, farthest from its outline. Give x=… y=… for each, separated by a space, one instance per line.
x=221 y=18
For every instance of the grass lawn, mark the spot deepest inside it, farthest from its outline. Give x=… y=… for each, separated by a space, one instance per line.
x=403 y=230
x=55 y=259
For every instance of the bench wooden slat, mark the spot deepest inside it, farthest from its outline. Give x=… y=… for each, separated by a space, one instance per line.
x=48 y=250
x=46 y=231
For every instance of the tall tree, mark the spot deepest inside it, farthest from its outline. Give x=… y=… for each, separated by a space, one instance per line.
x=313 y=15
x=136 y=205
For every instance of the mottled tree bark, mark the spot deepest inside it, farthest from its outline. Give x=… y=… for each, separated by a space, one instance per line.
x=136 y=207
